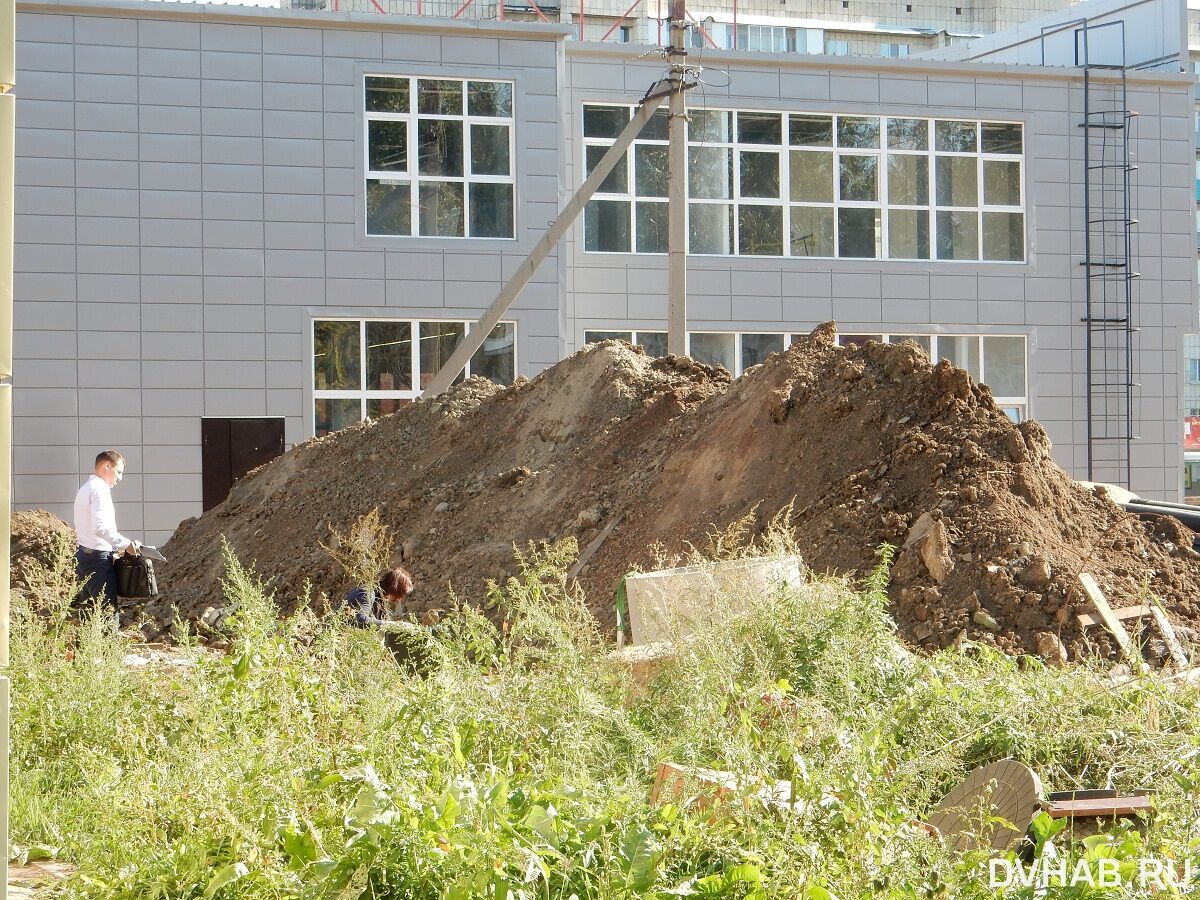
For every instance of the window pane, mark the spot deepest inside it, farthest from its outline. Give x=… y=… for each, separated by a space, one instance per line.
x=957 y=181
x=710 y=173
x=387 y=94
x=651 y=227
x=710 y=228
x=496 y=359
x=657 y=128
x=442 y=209
x=489 y=150
x=760 y=128
x=333 y=415
x=389 y=207
x=908 y=180
x=760 y=230
x=650 y=170
x=712 y=349
x=489 y=98
x=440 y=145
x=961 y=351
x=858 y=232
x=492 y=210
x=387 y=146
x=336 y=358
x=385 y=406
x=1001 y=182
x=958 y=235
x=956 y=137
x=908 y=234
x=1004 y=365
x=857 y=131
x=859 y=177
x=709 y=125
x=595 y=337
x=1004 y=236
x=812 y=176
x=653 y=342
x=616 y=181
x=389 y=356
x=920 y=339
x=812 y=231
x=441 y=98
x=908 y=134
x=604 y=121
x=1000 y=137
x=760 y=174
x=810 y=131
x=1015 y=412
x=756 y=347
x=606 y=226
x=438 y=340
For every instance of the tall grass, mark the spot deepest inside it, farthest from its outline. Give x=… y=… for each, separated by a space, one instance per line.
x=305 y=763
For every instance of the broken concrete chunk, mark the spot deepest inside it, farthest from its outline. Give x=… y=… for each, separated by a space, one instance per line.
x=985 y=620
x=928 y=536
x=1051 y=649
x=1037 y=573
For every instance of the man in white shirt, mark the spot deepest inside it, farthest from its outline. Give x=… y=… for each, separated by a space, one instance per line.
x=96 y=530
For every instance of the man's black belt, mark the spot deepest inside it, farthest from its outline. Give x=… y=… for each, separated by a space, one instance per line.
x=88 y=551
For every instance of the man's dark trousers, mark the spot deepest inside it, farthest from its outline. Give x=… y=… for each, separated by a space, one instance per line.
x=95 y=568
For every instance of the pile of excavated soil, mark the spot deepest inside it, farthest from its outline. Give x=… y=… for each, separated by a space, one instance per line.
x=869 y=444
x=34 y=535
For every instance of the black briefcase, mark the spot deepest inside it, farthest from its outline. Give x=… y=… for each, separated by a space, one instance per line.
x=135 y=577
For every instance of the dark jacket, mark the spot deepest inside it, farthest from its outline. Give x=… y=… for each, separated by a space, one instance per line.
x=368 y=611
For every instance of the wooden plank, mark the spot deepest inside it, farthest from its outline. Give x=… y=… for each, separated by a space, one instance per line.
x=591 y=548
x=1102 y=806
x=1110 y=620
x=1129 y=612
x=1170 y=637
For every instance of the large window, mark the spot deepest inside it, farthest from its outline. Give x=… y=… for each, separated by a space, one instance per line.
x=439 y=157
x=995 y=360
x=798 y=184
x=364 y=368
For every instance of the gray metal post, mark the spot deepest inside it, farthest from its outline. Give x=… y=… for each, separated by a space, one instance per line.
x=676 y=192
x=473 y=340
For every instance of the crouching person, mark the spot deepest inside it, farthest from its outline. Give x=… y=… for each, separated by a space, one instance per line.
x=382 y=608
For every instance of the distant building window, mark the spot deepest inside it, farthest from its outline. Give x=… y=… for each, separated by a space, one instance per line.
x=816 y=185
x=1194 y=371
x=893 y=51
x=837 y=48
x=439 y=157
x=625 y=34
x=363 y=368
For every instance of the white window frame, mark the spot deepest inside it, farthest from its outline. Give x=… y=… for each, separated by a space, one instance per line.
x=363 y=395
x=412 y=174
x=881 y=204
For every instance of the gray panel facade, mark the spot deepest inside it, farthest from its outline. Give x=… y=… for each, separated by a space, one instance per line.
x=190 y=197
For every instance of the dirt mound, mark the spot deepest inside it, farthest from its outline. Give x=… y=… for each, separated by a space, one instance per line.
x=34 y=535
x=869 y=444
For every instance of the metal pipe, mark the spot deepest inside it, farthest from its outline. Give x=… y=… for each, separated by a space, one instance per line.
x=676 y=193
x=473 y=340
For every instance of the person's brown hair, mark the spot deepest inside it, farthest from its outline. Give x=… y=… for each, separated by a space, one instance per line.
x=395 y=582
x=111 y=456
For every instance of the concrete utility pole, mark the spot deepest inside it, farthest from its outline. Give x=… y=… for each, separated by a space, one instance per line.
x=676 y=191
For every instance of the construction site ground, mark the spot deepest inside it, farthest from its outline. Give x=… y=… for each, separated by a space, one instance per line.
x=859 y=445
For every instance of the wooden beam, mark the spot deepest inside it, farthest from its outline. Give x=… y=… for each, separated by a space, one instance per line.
x=1107 y=616
x=1103 y=806
x=1170 y=637
x=591 y=548
x=1129 y=612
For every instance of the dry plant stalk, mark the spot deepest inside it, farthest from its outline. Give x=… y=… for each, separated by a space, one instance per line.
x=364 y=550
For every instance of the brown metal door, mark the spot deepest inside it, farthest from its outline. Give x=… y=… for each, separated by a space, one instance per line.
x=232 y=447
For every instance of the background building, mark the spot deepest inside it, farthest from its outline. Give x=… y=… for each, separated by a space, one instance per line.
x=238 y=228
